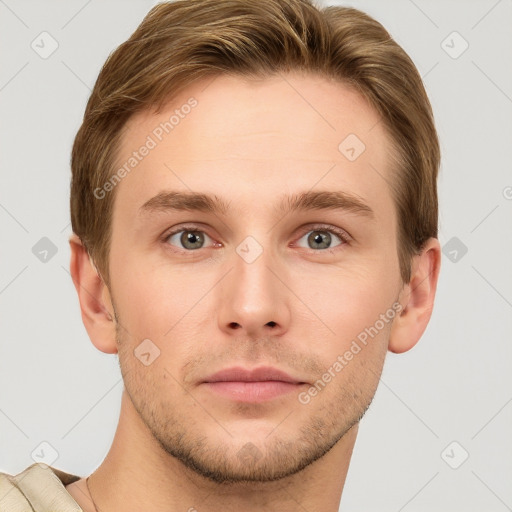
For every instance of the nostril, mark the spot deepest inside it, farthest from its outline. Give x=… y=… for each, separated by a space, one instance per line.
x=272 y=324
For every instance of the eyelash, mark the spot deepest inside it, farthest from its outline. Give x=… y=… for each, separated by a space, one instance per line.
x=341 y=234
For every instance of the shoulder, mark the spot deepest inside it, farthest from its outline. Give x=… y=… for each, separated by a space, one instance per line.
x=39 y=487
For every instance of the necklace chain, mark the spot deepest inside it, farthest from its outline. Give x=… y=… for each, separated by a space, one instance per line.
x=90 y=494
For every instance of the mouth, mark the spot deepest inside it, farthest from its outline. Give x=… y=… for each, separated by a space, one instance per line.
x=252 y=385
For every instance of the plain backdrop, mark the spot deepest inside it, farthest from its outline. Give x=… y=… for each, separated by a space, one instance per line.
x=437 y=435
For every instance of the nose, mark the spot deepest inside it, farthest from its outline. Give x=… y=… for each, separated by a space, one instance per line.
x=253 y=299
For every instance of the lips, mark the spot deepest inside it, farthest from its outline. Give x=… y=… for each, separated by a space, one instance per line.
x=252 y=385
x=239 y=374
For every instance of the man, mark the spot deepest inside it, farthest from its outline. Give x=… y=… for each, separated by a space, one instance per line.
x=254 y=210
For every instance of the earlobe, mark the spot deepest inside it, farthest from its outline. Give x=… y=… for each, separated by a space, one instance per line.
x=417 y=299
x=94 y=297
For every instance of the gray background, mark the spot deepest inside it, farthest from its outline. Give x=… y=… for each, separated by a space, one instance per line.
x=454 y=386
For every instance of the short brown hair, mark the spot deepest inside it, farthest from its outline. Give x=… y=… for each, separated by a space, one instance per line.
x=180 y=42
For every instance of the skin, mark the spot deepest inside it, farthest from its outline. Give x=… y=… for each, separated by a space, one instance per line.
x=179 y=445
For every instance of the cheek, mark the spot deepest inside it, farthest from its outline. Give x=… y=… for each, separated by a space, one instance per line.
x=348 y=300
x=148 y=296
x=165 y=305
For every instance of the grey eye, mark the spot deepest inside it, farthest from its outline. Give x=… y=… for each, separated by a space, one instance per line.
x=188 y=239
x=320 y=239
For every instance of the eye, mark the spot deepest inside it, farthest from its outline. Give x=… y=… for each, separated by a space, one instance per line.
x=189 y=239
x=321 y=238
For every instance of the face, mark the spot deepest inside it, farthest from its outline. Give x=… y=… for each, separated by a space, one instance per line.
x=282 y=274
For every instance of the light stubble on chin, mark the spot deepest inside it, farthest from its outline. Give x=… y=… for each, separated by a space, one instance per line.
x=244 y=460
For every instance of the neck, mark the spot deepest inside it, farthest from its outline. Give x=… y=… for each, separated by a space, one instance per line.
x=137 y=474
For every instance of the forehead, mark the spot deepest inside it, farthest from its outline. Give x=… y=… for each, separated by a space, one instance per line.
x=253 y=139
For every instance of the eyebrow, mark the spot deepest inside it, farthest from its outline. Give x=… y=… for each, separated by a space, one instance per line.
x=305 y=201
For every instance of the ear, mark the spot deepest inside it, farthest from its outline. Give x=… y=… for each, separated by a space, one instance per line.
x=417 y=299
x=94 y=296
